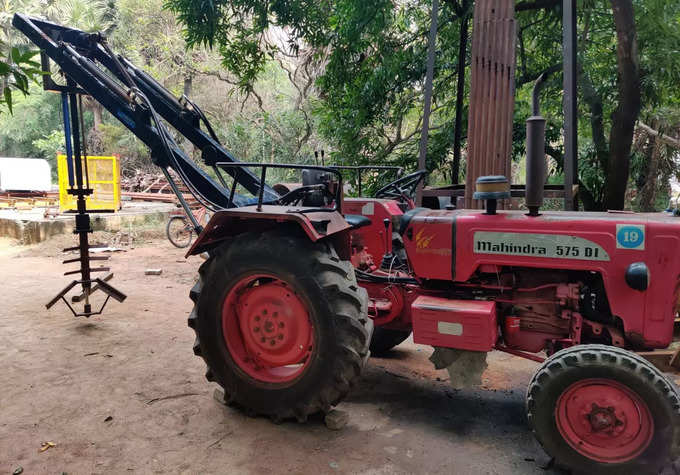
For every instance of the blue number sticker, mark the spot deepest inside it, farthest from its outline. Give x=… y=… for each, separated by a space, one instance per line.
x=630 y=236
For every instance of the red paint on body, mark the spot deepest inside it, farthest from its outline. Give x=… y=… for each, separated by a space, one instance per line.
x=604 y=420
x=373 y=236
x=648 y=313
x=463 y=324
x=267 y=329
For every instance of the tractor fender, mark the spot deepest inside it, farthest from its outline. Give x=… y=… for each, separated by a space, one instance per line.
x=317 y=225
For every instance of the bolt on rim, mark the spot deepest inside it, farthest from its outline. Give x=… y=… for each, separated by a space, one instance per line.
x=267 y=329
x=604 y=420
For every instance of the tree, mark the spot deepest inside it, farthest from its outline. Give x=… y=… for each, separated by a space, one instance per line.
x=90 y=16
x=272 y=122
x=624 y=61
x=372 y=66
x=628 y=108
x=370 y=87
x=17 y=66
x=286 y=78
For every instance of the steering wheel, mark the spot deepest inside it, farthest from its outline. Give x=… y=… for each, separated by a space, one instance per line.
x=402 y=189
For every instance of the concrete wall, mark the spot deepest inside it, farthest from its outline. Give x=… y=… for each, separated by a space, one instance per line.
x=33 y=232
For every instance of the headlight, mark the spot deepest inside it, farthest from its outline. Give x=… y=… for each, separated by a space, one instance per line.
x=637 y=276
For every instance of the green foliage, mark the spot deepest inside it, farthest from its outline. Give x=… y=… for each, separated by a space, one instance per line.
x=281 y=79
x=17 y=64
x=370 y=90
x=34 y=117
x=658 y=28
x=238 y=28
x=115 y=138
x=270 y=124
x=48 y=147
x=15 y=74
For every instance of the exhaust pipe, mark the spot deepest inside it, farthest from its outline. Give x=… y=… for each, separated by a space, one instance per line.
x=535 y=179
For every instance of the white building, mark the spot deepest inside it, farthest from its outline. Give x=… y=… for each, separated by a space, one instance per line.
x=25 y=174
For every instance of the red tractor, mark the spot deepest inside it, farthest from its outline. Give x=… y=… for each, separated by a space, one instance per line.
x=280 y=314
x=287 y=302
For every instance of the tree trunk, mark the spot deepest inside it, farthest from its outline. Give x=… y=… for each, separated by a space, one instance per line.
x=188 y=85
x=651 y=185
x=96 y=116
x=460 y=92
x=592 y=199
x=427 y=99
x=626 y=113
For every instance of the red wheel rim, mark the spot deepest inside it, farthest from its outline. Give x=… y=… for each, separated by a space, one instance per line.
x=267 y=329
x=604 y=420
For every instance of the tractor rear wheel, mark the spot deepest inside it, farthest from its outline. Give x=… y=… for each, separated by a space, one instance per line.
x=602 y=409
x=384 y=339
x=281 y=324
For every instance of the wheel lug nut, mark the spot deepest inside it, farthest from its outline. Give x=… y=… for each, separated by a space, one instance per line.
x=281 y=325
x=280 y=336
x=257 y=318
x=256 y=329
x=264 y=312
x=272 y=342
x=263 y=339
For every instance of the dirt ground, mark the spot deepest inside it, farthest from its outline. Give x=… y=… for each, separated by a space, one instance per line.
x=123 y=392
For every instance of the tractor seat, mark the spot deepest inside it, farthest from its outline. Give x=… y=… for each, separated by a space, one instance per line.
x=357 y=221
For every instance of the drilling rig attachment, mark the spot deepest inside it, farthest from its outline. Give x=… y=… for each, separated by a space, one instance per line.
x=79 y=186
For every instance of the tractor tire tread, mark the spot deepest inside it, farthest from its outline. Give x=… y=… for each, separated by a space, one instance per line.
x=584 y=355
x=347 y=300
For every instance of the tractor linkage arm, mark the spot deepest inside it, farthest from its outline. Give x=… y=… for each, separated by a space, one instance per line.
x=137 y=100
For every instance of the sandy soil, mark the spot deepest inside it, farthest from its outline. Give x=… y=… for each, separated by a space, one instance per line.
x=123 y=392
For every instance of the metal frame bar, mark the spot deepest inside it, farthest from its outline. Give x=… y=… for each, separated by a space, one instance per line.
x=360 y=168
x=263 y=175
x=67 y=137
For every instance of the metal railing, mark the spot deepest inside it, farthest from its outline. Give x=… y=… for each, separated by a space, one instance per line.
x=361 y=168
x=337 y=205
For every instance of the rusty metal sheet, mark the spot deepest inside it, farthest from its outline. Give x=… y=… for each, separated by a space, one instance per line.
x=492 y=93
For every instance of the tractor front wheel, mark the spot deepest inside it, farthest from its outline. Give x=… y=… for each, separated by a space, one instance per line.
x=602 y=409
x=281 y=324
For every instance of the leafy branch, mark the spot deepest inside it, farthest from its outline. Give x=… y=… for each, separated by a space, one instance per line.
x=16 y=73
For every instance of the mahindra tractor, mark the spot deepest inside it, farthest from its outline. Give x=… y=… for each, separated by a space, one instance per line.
x=300 y=286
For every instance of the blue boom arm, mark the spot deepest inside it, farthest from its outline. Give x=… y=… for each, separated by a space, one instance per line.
x=138 y=102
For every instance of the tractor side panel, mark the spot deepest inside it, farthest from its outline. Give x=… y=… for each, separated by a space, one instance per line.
x=429 y=241
x=662 y=294
x=605 y=243
x=373 y=236
x=462 y=324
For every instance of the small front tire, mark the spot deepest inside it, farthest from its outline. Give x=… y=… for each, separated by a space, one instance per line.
x=602 y=409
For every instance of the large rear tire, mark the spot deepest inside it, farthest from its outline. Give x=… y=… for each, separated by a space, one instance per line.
x=281 y=324
x=602 y=409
